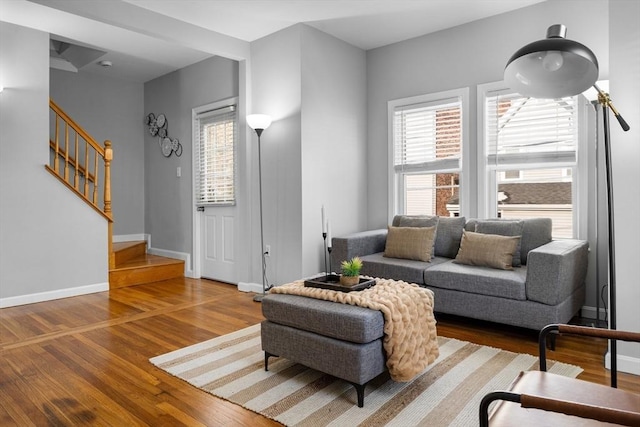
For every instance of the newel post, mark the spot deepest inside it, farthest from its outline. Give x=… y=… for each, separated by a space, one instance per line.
x=108 y=156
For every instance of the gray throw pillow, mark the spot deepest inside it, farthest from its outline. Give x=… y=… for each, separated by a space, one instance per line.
x=504 y=227
x=448 y=236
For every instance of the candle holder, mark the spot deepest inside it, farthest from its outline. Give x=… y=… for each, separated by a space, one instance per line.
x=324 y=238
x=329 y=248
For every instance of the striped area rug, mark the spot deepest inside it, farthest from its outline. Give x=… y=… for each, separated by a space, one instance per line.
x=447 y=393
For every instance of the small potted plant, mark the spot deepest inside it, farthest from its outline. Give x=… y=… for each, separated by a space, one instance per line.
x=350 y=272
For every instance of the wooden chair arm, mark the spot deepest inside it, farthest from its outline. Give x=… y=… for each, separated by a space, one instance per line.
x=581 y=410
x=580 y=330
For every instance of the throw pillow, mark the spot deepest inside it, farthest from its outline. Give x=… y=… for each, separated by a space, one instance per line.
x=448 y=236
x=410 y=243
x=420 y=221
x=487 y=250
x=504 y=227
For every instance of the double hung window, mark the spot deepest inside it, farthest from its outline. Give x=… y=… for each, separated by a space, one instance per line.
x=427 y=134
x=216 y=129
x=531 y=158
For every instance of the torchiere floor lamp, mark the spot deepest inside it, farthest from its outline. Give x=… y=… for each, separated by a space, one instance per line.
x=556 y=67
x=259 y=122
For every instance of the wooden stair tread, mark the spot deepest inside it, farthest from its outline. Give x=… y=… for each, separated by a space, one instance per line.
x=147 y=261
x=133 y=266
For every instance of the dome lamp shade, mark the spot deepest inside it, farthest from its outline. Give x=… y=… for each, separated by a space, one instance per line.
x=554 y=67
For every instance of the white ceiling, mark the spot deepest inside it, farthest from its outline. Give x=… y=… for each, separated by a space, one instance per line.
x=363 y=23
x=148 y=38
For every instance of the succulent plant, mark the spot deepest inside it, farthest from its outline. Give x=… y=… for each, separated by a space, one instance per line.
x=352 y=267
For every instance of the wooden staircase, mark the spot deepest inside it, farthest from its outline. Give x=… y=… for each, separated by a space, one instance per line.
x=133 y=266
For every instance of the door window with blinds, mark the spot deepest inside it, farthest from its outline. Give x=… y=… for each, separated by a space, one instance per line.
x=427 y=154
x=215 y=131
x=531 y=148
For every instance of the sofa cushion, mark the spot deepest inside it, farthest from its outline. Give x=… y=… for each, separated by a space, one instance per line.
x=489 y=250
x=415 y=221
x=410 y=243
x=448 y=236
x=342 y=321
x=535 y=233
x=508 y=284
x=375 y=265
x=504 y=228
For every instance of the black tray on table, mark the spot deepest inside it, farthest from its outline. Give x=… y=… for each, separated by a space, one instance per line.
x=332 y=282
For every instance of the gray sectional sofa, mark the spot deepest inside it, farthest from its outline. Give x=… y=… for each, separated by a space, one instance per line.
x=545 y=285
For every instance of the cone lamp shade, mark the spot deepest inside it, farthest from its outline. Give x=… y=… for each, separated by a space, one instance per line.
x=552 y=68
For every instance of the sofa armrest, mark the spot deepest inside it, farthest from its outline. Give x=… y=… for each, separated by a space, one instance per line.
x=555 y=270
x=357 y=244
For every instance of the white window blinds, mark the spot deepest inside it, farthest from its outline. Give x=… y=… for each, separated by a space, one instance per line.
x=216 y=156
x=428 y=136
x=529 y=130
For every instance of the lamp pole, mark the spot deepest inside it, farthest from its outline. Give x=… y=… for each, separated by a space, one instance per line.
x=605 y=101
x=260 y=122
x=258 y=297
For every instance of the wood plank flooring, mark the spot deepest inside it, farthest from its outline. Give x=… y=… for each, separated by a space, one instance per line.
x=84 y=360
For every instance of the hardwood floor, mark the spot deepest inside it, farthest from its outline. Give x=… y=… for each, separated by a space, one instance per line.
x=84 y=360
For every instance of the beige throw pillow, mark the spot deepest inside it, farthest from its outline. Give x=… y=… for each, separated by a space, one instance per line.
x=410 y=243
x=487 y=250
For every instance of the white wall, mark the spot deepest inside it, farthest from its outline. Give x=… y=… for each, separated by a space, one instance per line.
x=51 y=243
x=625 y=152
x=169 y=198
x=110 y=109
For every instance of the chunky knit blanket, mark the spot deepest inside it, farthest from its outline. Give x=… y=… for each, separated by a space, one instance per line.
x=410 y=339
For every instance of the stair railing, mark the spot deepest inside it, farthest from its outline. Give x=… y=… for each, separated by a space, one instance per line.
x=78 y=161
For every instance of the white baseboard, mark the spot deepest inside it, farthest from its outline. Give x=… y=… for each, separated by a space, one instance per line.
x=250 y=287
x=628 y=364
x=590 y=312
x=176 y=255
x=53 y=295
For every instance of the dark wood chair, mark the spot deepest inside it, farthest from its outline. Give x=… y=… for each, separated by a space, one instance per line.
x=540 y=398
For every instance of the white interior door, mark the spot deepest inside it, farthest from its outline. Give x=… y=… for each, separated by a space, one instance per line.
x=218 y=252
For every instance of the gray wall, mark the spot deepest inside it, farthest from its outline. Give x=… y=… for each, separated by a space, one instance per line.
x=168 y=198
x=110 y=109
x=314 y=152
x=276 y=90
x=50 y=241
x=334 y=162
x=464 y=56
x=624 y=43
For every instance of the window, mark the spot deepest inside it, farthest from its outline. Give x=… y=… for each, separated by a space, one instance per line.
x=427 y=141
x=531 y=155
x=215 y=130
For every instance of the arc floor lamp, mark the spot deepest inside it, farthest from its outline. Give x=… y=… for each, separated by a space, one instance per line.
x=260 y=122
x=556 y=67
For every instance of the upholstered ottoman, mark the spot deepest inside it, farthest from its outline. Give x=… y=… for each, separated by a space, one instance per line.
x=338 y=339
